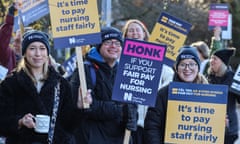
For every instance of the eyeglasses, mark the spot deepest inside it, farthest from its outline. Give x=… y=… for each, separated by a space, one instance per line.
x=110 y=43
x=184 y=65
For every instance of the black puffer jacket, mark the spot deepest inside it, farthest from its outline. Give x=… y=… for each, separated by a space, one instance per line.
x=18 y=96
x=227 y=79
x=103 y=124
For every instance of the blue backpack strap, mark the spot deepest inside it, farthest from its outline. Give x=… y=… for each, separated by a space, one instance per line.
x=92 y=72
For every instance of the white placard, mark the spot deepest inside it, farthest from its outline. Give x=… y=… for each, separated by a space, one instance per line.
x=3 y=72
x=227 y=34
x=235 y=86
x=237 y=74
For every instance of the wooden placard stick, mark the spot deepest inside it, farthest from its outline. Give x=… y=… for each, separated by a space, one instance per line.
x=127 y=136
x=82 y=77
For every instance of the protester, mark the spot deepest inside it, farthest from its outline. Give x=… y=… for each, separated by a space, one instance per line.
x=35 y=88
x=135 y=29
x=187 y=68
x=7 y=55
x=220 y=73
x=203 y=53
x=216 y=42
x=107 y=119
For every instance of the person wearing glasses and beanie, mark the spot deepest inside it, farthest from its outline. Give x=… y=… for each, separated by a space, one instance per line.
x=34 y=88
x=187 y=68
x=107 y=119
x=220 y=72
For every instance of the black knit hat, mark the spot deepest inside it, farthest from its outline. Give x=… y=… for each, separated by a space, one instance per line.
x=33 y=36
x=225 y=54
x=110 y=33
x=188 y=52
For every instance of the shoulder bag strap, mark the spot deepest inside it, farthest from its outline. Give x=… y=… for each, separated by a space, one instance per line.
x=54 y=113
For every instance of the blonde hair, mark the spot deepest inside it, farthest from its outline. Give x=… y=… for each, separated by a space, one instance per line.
x=201 y=79
x=125 y=28
x=26 y=67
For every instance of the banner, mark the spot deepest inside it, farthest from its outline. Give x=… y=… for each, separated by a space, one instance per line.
x=70 y=65
x=227 y=34
x=30 y=11
x=139 y=72
x=3 y=72
x=196 y=113
x=171 y=31
x=235 y=86
x=218 y=16
x=74 y=23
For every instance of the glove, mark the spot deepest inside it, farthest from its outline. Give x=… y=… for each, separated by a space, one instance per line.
x=130 y=116
x=11 y=9
x=61 y=70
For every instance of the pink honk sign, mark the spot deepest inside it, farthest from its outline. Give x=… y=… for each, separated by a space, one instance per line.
x=142 y=50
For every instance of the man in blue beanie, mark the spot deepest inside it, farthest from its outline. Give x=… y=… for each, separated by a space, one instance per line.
x=106 y=121
x=110 y=33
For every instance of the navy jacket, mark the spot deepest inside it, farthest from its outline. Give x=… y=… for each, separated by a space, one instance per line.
x=103 y=124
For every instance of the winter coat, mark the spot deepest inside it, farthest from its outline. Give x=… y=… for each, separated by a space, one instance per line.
x=154 y=124
x=7 y=55
x=19 y=96
x=227 y=79
x=103 y=124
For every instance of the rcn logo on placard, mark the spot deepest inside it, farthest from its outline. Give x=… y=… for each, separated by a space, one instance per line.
x=127 y=96
x=72 y=40
x=75 y=40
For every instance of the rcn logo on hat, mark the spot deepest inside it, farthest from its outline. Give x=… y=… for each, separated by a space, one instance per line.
x=186 y=56
x=35 y=37
x=111 y=35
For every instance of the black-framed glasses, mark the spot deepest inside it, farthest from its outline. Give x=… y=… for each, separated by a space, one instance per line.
x=184 y=65
x=109 y=43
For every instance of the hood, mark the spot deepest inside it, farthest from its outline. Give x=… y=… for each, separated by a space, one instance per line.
x=94 y=55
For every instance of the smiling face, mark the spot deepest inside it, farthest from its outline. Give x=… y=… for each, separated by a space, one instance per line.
x=187 y=70
x=215 y=63
x=36 y=55
x=135 y=31
x=111 y=51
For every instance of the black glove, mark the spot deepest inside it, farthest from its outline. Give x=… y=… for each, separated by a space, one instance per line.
x=130 y=116
x=11 y=9
x=61 y=70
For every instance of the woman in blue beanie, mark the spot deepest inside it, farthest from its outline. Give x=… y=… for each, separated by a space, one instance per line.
x=187 y=68
x=36 y=88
